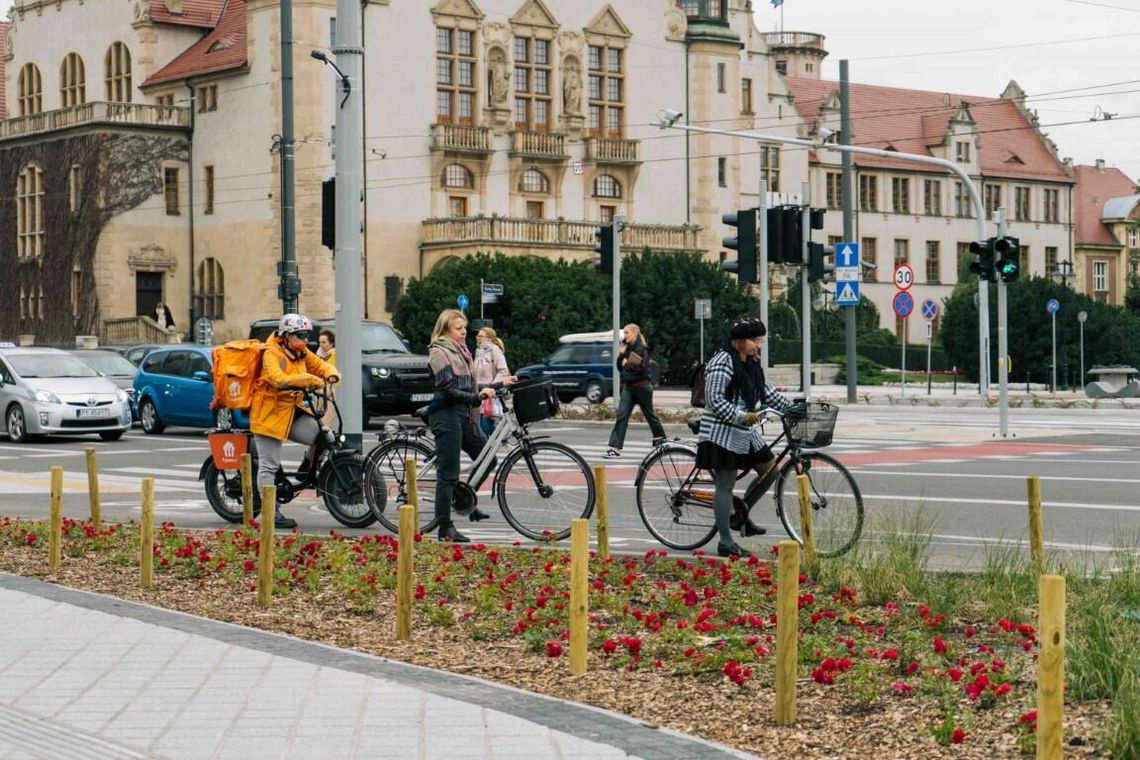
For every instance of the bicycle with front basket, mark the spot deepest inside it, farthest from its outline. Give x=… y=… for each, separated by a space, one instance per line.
x=675 y=497
x=541 y=485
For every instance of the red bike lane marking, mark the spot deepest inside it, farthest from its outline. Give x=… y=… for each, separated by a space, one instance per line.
x=986 y=450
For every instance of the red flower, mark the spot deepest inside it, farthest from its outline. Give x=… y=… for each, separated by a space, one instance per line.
x=958 y=736
x=954 y=674
x=939 y=645
x=890 y=654
x=553 y=649
x=902 y=689
x=32 y=538
x=249 y=565
x=969 y=631
x=609 y=646
x=419 y=594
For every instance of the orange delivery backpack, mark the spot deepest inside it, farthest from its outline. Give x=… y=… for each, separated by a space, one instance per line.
x=237 y=365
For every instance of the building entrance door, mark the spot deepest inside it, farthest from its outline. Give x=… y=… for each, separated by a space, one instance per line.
x=148 y=293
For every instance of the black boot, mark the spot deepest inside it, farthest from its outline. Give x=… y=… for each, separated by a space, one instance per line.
x=478 y=514
x=281 y=522
x=447 y=532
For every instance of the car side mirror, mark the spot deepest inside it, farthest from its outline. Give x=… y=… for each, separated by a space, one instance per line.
x=203 y=375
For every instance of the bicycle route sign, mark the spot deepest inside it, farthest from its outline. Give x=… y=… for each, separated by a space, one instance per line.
x=1052 y=306
x=903 y=304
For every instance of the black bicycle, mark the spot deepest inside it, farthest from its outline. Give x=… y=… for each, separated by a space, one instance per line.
x=337 y=475
x=675 y=497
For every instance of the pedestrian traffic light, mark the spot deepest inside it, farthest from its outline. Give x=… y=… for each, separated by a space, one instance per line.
x=785 y=236
x=744 y=243
x=983 y=266
x=605 y=248
x=1008 y=253
x=819 y=268
x=328 y=213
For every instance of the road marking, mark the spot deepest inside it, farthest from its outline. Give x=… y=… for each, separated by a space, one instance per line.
x=993 y=476
x=149 y=472
x=998 y=502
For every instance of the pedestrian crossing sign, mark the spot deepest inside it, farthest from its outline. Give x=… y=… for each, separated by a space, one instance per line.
x=847 y=293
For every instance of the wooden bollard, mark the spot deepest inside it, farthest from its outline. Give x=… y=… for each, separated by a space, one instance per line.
x=807 y=522
x=405 y=559
x=1051 y=667
x=246 y=488
x=579 y=599
x=265 y=547
x=787 y=627
x=603 y=513
x=1036 y=527
x=93 y=489
x=146 y=534
x=55 y=526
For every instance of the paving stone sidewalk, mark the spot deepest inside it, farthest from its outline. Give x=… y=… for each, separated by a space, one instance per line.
x=89 y=676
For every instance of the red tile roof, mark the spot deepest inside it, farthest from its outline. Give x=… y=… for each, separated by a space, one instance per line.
x=222 y=49
x=1095 y=185
x=3 y=95
x=914 y=120
x=200 y=13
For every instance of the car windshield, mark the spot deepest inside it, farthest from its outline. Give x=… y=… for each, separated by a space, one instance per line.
x=108 y=363
x=50 y=365
x=378 y=339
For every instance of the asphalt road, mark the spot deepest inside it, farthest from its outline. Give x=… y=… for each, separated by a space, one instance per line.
x=947 y=464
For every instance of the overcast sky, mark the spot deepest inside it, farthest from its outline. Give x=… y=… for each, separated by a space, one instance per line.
x=1093 y=72
x=1017 y=35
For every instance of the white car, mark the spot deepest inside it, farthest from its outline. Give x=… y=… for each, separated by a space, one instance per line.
x=46 y=390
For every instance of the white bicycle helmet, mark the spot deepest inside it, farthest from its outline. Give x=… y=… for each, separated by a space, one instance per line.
x=292 y=324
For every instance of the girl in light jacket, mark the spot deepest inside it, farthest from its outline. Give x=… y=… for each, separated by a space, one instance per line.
x=490 y=369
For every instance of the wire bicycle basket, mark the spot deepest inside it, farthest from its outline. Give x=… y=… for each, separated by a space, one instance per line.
x=811 y=426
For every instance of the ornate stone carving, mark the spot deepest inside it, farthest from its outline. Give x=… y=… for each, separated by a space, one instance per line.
x=499 y=77
x=10 y=39
x=675 y=24
x=142 y=12
x=572 y=43
x=496 y=33
x=571 y=86
x=535 y=13
x=151 y=258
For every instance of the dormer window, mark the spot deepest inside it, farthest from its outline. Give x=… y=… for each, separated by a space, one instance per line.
x=703 y=10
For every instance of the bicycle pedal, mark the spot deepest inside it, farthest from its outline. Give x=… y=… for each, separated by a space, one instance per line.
x=478 y=514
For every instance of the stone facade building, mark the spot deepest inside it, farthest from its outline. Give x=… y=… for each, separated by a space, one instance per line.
x=1108 y=233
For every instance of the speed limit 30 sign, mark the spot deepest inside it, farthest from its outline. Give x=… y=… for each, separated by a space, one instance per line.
x=904 y=276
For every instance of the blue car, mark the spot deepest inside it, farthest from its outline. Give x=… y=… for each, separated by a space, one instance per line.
x=581 y=366
x=175 y=385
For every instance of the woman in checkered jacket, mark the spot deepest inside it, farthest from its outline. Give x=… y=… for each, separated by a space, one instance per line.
x=735 y=387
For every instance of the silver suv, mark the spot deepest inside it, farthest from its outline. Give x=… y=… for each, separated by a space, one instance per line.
x=46 y=390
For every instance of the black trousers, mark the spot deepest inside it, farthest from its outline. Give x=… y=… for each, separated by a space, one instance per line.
x=454 y=431
x=642 y=396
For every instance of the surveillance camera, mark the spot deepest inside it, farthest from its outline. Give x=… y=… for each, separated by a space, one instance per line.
x=825 y=134
x=667 y=117
x=317 y=54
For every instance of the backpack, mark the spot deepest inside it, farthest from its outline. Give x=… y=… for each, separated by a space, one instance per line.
x=697 y=387
x=653 y=372
x=237 y=366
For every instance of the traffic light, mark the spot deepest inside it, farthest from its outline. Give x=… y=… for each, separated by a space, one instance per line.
x=1008 y=251
x=785 y=238
x=983 y=266
x=744 y=243
x=328 y=213
x=605 y=248
x=818 y=266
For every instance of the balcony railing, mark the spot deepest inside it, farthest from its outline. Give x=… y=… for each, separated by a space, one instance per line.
x=562 y=233
x=460 y=138
x=793 y=39
x=539 y=144
x=614 y=150
x=127 y=331
x=97 y=112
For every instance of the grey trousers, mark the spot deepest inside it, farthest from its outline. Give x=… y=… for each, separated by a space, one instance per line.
x=304 y=430
x=725 y=481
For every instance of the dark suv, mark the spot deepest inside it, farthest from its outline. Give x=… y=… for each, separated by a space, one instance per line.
x=582 y=365
x=393 y=379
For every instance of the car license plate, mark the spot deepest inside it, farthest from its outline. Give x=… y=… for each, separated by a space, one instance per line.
x=422 y=396
x=104 y=411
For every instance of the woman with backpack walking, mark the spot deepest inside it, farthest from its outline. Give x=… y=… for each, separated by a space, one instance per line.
x=636 y=388
x=735 y=388
x=490 y=368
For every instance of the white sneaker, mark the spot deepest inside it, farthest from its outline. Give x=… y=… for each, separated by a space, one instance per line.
x=612 y=453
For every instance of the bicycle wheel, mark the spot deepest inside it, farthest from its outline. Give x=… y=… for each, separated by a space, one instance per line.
x=223 y=491
x=674 y=499
x=389 y=491
x=552 y=486
x=341 y=485
x=836 y=504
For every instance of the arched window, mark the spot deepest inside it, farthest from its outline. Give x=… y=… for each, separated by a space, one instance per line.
x=605 y=186
x=210 y=290
x=117 y=73
x=457 y=175
x=30 y=88
x=534 y=181
x=30 y=212
x=72 y=81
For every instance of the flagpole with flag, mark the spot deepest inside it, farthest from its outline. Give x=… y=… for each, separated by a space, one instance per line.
x=780 y=4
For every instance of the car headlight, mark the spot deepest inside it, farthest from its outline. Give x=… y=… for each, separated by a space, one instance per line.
x=46 y=397
x=381 y=372
x=121 y=395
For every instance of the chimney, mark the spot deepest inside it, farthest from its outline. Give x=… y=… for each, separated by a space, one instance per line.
x=1100 y=165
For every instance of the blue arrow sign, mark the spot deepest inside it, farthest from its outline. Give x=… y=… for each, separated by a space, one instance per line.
x=847 y=254
x=1052 y=306
x=847 y=294
x=929 y=308
x=463 y=301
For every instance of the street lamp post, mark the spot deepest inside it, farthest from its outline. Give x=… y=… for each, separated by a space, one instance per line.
x=1064 y=272
x=1081 y=317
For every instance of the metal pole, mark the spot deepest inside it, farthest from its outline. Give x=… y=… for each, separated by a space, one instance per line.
x=805 y=198
x=762 y=262
x=929 y=341
x=848 y=222
x=618 y=222
x=1003 y=343
x=1053 y=385
x=349 y=192
x=1081 y=379
x=702 y=338
x=481 y=317
x=289 y=281
x=905 y=320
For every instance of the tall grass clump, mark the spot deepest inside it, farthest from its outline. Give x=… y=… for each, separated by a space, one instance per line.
x=891 y=558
